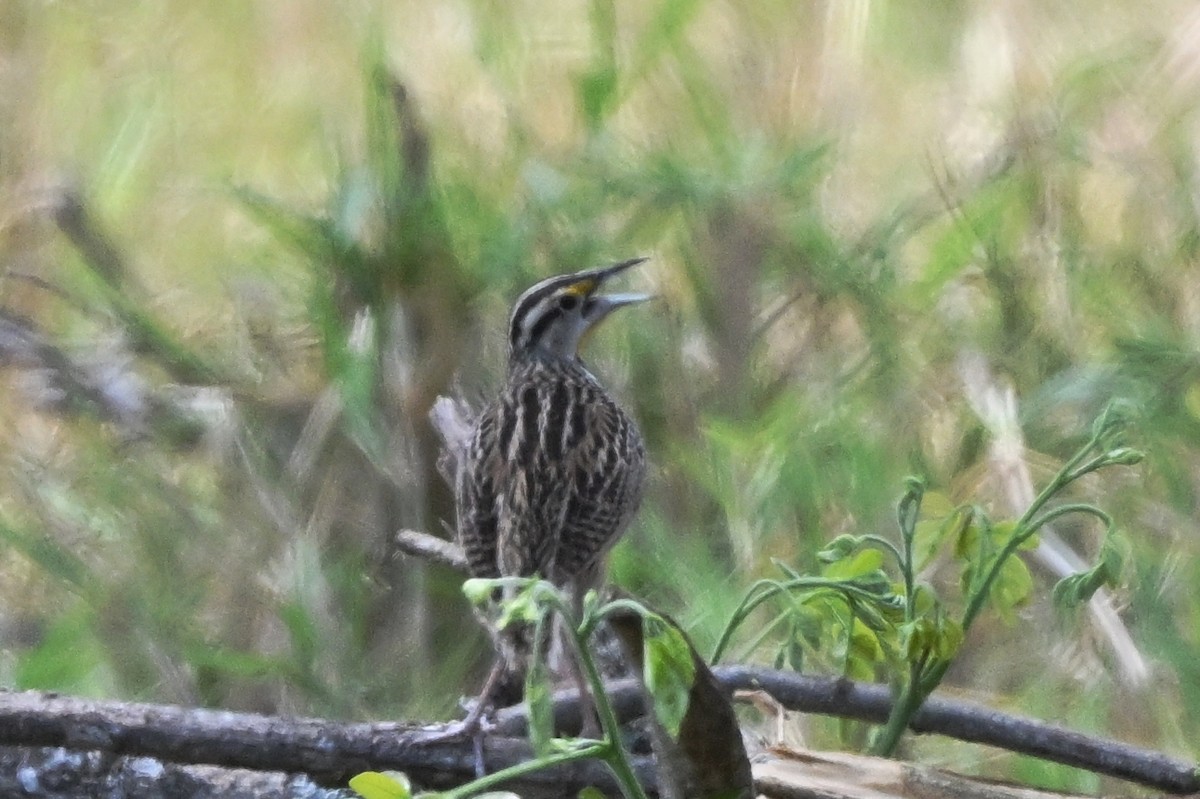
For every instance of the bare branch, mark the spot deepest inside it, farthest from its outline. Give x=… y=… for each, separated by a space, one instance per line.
x=452 y=419
x=872 y=703
x=432 y=548
x=969 y=722
x=59 y=773
x=329 y=751
x=332 y=751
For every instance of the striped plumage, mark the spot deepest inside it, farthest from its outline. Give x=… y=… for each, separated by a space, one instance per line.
x=553 y=472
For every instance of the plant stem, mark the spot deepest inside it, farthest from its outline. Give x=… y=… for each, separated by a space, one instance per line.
x=611 y=751
x=911 y=696
x=1074 y=507
x=762 y=590
x=883 y=543
x=528 y=767
x=1065 y=476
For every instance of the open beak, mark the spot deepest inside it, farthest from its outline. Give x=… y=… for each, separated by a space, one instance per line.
x=601 y=305
x=605 y=272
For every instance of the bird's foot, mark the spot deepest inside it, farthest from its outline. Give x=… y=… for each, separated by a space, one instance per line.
x=475 y=726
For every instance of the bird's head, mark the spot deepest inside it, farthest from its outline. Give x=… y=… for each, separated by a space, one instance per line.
x=552 y=317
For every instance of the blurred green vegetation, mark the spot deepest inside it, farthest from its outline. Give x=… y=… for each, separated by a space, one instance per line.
x=265 y=236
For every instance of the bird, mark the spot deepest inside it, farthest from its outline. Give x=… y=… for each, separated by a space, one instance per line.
x=553 y=470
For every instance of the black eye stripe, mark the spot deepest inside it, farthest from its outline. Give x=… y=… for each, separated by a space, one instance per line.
x=539 y=327
x=518 y=316
x=568 y=302
x=530 y=300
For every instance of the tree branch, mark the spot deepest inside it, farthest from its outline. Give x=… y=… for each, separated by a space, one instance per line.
x=970 y=722
x=58 y=773
x=872 y=703
x=332 y=751
x=329 y=751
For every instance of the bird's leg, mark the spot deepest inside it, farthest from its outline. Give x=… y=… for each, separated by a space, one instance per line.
x=474 y=718
x=474 y=725
x=569 y=657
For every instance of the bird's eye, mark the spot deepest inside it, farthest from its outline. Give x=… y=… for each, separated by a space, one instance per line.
x=568 y=302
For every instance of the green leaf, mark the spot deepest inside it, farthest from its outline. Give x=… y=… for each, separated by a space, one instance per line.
x=958 y=246
x=927 y=538
x=966 y=543
x=838 y=548
x=925 y=599
x=557 y=746
x=810 y=618
x=669 y=671
x=865 y=645
x=780 y=657
x=591 y=792
x=381 y=785
x=1076 y=589
x=950 y=638
x=859 y=663
x=353 y=363
x=863 y=563
x=915 y=638
x=870 y=614
x=956 y=527
x=663 y=32
x=1002 y=531
x=936 y=506
x=1012 y=587
x=936 y=637
x=591 y=605
x=309 y=236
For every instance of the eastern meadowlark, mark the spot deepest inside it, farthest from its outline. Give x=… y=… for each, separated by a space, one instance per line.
x=552 y=472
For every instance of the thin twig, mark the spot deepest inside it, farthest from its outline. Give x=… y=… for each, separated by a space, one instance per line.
x=432 y=548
